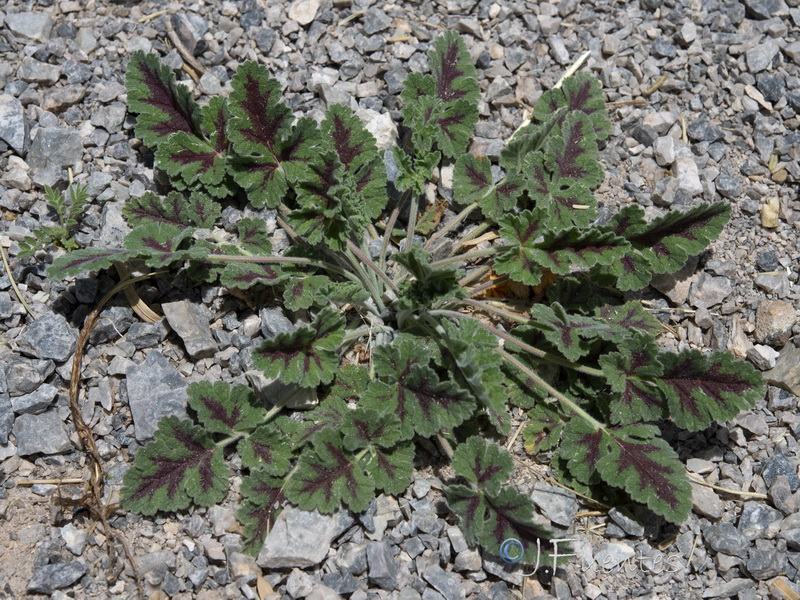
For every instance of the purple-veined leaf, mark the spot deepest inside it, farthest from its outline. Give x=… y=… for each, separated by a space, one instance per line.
x=182 y=465
x=253 y=237
x=164 y=107
x=223 y=408
x=195 y=162
x=351 y=381
x=328 y=477
x=328 y=415
x=631 y=373
x=244 y=275
x=364 y=427
x=566 y=202
x=87 y=259
x=530 y=138
x=543 y=429
x=196 y=210
x=633 y=458
x=390 y=469
x=159 y=243
x=262 y=496
x=472 y=182
x=483 y=464
x=306 y=356
x=452 y=69
x=578 y=93
x=517 y=260
x=267 y=448
x=703 y=388
x=571 y=156
x=306 y=291
x=621 y=320
x=563 y=251
x=430 y=284
x=565 y=331
x=521 y=390
x=271 y=152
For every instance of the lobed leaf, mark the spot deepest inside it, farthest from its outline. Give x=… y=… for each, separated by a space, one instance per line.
x=390 y=469
x=223 y=408
x=543 y=430
x=253 y=236
x=579 y=93
x=328 y=477
x=306 y=291
x=364 y=427
x=472 y=182
x=483 y=464
x=330 y=414
x=517 y=260
x=164 y=107
x=244 y=275
x=262 y=496
x=159 y=243
x=430 y=284
x=88 y=259
x=566 y=202
x=182 y=465
x=268 y=448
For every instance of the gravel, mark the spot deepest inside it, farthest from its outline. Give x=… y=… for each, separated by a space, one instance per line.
x=723 y=125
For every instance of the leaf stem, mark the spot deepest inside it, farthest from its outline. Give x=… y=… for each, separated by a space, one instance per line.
x=468 y=256
x=365 y=276
x=368 y=262
x=451 y=225
x=412 y=222
x=387 y=236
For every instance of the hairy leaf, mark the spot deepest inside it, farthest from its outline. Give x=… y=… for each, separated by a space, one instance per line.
x=262 y=496
x=164 y=107
x=253 y=236
x=390 y=469
x=306 y=291
x=223 y=408
x=430 y=284
x=564 y=331
x=566 y=250
x=159 y=243
x=543 y=430
x=482 y=463
x=244 y=275
x=267 y=448
x=328 y=477
x=578 y=93
x=271 y=152
x=306 y=356
x=351 y=381
x=330 y=414
x=87 y=259
x=180 y=466
x=365 y=427
x=517 y=260
x=472 y=182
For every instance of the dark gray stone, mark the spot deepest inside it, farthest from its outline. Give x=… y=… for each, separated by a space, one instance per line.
x=703 y=131
x=447 y=584
x=427 y=522
x=13 y=125
x=728 y=186
x=36 y=402
x=725 y=538
x=190 y=322
x=772 y=85
x=6 y=409
x=382 y=568
x=766 y=564
x=556 y=503
x=34 y=26
x=251 y=18
x=627 y=521
x=265 y=38
x=24 y=375
x=113 y=323
x=273 y=322
x=663 y=49
x=76 y=72
x=395 y=78
x=55 y=147
x=341 y=582
x=301 y=538
x=644 y=134
x=41 y=434
x=110 y=117
x=764 y=9
x=759 y=520
x=780 y=465
x=154 y=390
x=376 y=20
x=49 y=336
x=54 y=577
x=413 y=547
x=146 y=335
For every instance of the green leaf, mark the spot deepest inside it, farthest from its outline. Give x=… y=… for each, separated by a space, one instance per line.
x=578 y=93
x=164 y=107
x=253 y=236
x=543 y=430
x=306 y=291
x=518 y=260
x=330 y=414
x=634 y=458
x=566 y=332
x=244 y=275
x=159 y=243
x=271 y=152
x=87 y=259
x=306 y=356
x=566 y=202
x=472 y=182
x=364 y=427
x=182 y=465
x=267 y=448
x=222 y=408
x=262 y=496
x=430 y=284
x=563 y=251
x=328 y=477
x=390 y=469
x=351 y=381
x=482 y=463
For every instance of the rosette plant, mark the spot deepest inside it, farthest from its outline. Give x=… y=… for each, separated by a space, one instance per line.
x=443 y=354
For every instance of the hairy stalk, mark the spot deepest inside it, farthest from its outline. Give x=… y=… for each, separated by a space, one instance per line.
x=470 y=236
x=462 y=257
x=451 y=225
x=387 y=236
x=367 y=277
x=368 y=261
x=412 y=221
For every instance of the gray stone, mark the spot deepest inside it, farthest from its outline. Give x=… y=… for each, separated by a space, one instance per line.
x=774 y=283
x=49 y=336
x=627 y=521
x=154 y=390
x=110 y=117
x=35 y=71
x=557 y=504
x=510 y=573
x=781 y=496
x=725 y=538
x=13 y=125
x=55 y=147
x=759 y=520
x=57 y=576
x=763 y=357
x=612 y=554
x=36 y=402
x=74 y=538
x=468 y=560
x=447 y=584
x=323 y=592
x=190 y=322
x=146 y=335
x=764 y=9
x=352 y=558
x=663 y=49
x=704 y=131
x=375 y=21
x=382 y=567
x=413 y=547
x=303 y=11
x=24 y=375
x=766 y=564
x=301 y=538
x=728 y=186
x=427 y=522
x=6 y=409
x=341 y=582
x=767 y=260
x=41 y=434
x=780 y=465
x=395 y=78
x=706 y=502
x=158 y=562
x=772 y=85
x=273 y=322
x=112 y=323
x=760 y=57
x=299 y=584
x=675 y=286
x=774 y=323
x=729 y=589
x=457 y=539
x=793 y=51
x=34 y=26
x=684 y=169
x=708 y=291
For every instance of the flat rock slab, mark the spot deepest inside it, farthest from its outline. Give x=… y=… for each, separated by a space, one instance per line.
x=301 y=538
x=13 y=126
x=190 y=322
x=155 y=390
x=49 y=578
x=41 y=434
x=49 y=336
x=786 y=374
